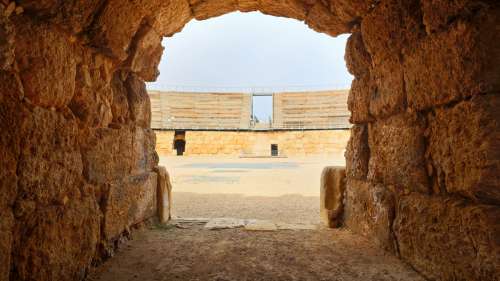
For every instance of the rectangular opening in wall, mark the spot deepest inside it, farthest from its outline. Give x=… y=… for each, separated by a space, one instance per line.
x=179 y=144
x=262 y=111
x=274 y=150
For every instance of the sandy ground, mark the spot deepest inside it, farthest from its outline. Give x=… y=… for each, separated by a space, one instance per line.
x=168 y=253
x=279 y=189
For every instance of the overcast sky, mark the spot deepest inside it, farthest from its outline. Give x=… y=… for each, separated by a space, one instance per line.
x=241 y=51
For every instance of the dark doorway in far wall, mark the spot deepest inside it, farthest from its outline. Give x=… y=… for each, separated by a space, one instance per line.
x=180 y=142
x=274 y=150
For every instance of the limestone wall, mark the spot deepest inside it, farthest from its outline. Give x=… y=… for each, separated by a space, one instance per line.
x=423 y=162
x=250 y=143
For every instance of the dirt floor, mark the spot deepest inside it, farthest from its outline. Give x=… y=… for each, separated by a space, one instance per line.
x=278 y=189
x=169 y=253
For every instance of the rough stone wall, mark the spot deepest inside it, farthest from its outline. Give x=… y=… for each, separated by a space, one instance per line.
x=76 y=150
x=423 y=162
x=290 y=143
x=77 y=153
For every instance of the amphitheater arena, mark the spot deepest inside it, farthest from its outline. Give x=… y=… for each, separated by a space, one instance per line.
x=303 y=123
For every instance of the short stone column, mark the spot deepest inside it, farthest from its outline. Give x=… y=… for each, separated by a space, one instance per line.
x=164 y=194
x=333 y=184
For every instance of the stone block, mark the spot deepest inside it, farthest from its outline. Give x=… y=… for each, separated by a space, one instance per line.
x=56 y=242
x=164 y=194
x=93 y=96
x=45 y=53
x=321 y=19
x=437 y=15
x=369 y=211
x=389 y=96
x=358 y=101
x=448 y=239
x=333 y=182
x=383 y=40
x=145 y=53
x=13 y=118
x=397 y=149
x=73 y=16
x=114 y=28
x=454 y=64
x=50 y=164
x=208 y=9
x=357 y=153
x=289 y=8
x=248 y=5
x=119 y=107
x=6 y=231
x=464 y=148
x=7 y=40
x=138 y=101
x=128 y=202
x=144 y=154
x=358 y=60
x=108 y=154
x=171 y=17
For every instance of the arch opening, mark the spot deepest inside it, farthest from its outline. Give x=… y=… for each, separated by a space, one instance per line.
x=252 y=84
x=79 y=166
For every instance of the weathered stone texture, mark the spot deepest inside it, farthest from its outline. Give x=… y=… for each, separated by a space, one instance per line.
x=145 y=157
x=6 y=233
x=389 y=97
x=163 y=194
x=357 y=153
x=116 y=26
x=321 y=19
x=397 y=148
x=358 y=101
x=358 y=60
x=293 y=9
x=119 y=107
x=93 y=98
x=57 y=242
x=363 y=87
x=332 y=188
x=138 y=101
x=437 y=14
x=455 y=64
x=42 y=55
x=146 y=53
x=370 y=211
x=127 y=202
x=7 y=38
x=172 y=16
x=73 y=16
x=108 y=155
x=390 y=26
x=449 y=239
x=464 y=148
x=50 y=164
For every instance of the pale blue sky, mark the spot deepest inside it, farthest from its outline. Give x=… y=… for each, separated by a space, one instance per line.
x=251 y=52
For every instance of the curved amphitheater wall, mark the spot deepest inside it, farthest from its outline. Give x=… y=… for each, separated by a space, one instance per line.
x=248 y=143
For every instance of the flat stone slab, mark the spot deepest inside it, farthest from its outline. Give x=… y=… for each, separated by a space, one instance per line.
x=261 y=225
x=247 y=224
x=226 y=223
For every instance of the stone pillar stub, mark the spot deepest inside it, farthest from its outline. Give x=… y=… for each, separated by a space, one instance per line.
x=164 y=194
x=333 y=183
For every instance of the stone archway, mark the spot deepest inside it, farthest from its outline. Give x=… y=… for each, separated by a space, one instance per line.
x=77 y=152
